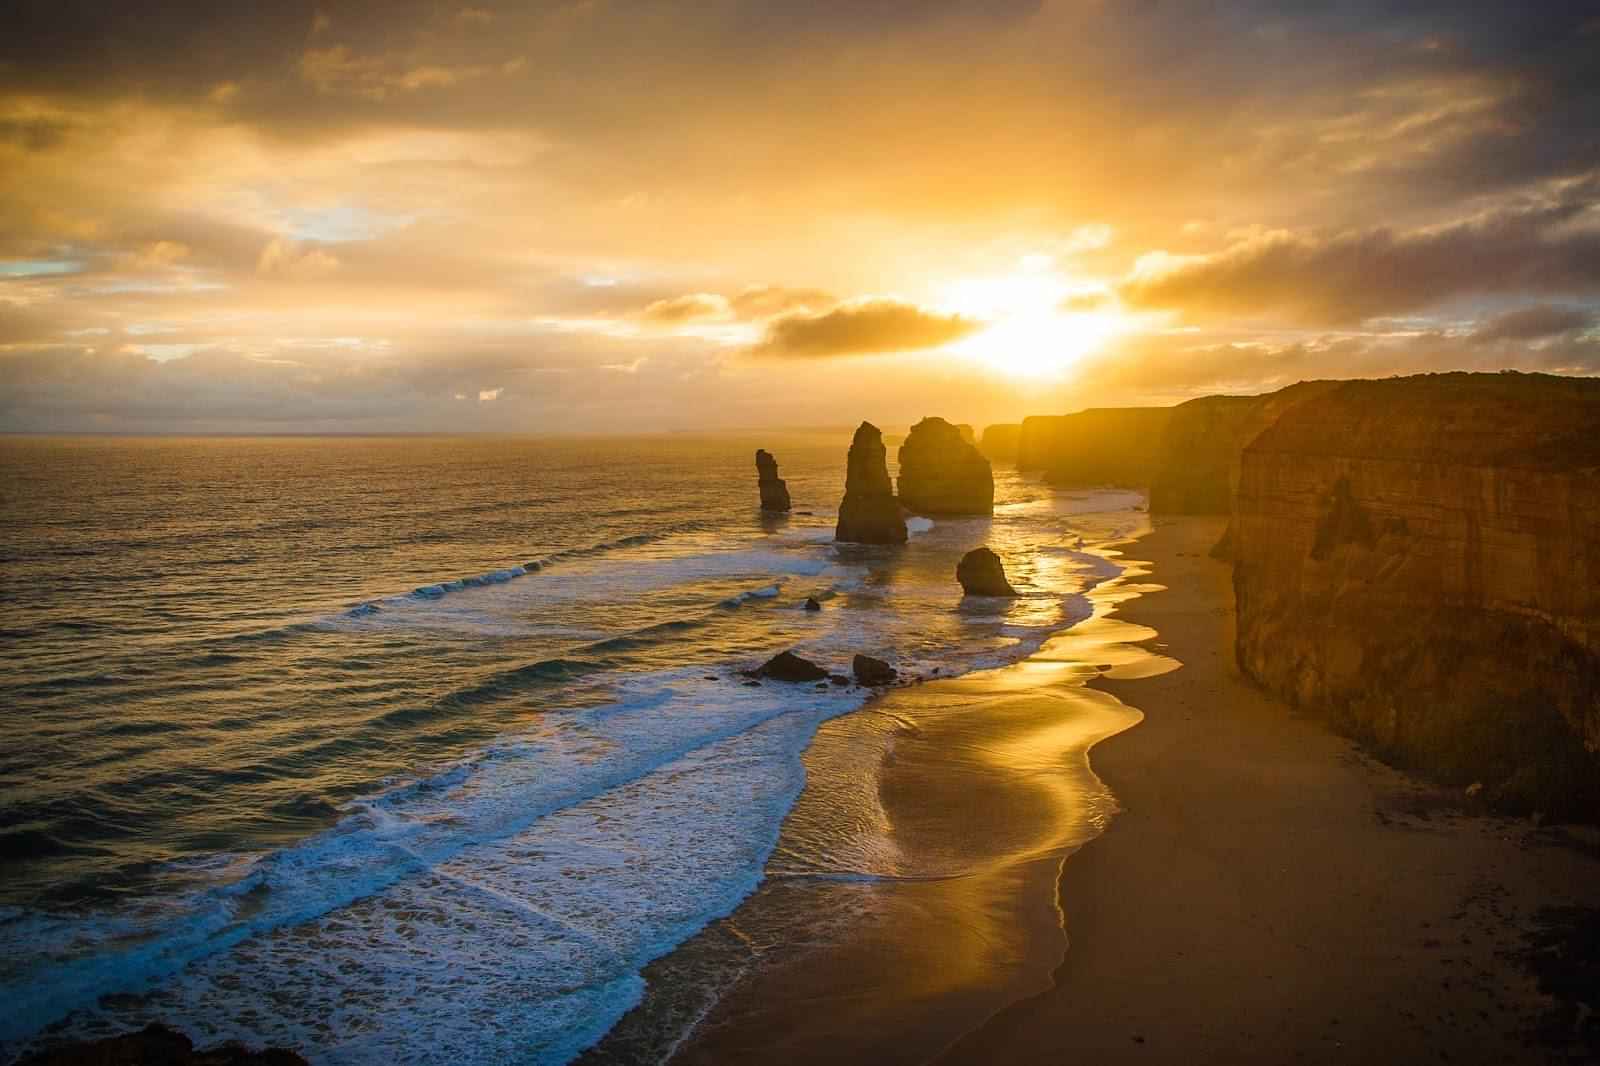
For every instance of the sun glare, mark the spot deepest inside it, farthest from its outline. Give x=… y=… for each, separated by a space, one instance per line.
x=1031 y=334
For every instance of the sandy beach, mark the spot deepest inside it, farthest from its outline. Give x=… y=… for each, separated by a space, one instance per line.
x=1264 y=893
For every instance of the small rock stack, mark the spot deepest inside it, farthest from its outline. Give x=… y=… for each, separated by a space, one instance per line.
x=982 y=574
x=774 y=492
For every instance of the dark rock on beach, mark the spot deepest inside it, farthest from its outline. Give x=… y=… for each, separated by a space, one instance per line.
x=942 y=473
x=774 y=491
x=982 y=574
x=156 y=1045
x=811 y=604
x=870 y=671
x=869 y=513
x=787 y=666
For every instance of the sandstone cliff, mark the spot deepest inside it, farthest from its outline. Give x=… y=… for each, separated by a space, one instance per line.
x=1197 y=469
x=774 y=492
x=941 y=473
x=1100 y=446
x=869 y=513
x=999 y=442
x=1419 y=560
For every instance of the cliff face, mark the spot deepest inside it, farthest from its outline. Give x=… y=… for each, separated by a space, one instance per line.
x=941 y=473
x=869 y=513
x=1197 y=470
x=1103 y=445
x=1419 y=559
x=1201 y=444
x=999 y=442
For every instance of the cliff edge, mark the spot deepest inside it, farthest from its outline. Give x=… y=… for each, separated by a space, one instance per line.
x=1418 y=559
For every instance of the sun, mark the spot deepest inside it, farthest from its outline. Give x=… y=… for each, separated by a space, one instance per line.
x=1031 y=333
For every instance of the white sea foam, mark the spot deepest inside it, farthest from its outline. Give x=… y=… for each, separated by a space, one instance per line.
x=501 y=908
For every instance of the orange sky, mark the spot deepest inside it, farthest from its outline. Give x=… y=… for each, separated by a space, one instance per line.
x=615 y=216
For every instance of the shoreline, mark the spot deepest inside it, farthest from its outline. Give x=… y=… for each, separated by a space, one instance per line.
x=1266 y=893
x=983 y=785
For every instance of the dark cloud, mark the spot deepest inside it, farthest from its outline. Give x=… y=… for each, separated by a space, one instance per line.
x=863 y=328
x=1534 y=323
x=1351 y=276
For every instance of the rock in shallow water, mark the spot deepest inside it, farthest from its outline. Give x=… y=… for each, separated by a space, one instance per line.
x=982 y=574
x=869 y=514
x=787 y=666
x=870 y=671
x=774 y=490
x=156 y=1045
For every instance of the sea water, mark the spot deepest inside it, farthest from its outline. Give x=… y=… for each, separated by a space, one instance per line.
x=419 y=749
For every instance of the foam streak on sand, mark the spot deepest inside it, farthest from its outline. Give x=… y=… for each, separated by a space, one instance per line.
x=974 y=789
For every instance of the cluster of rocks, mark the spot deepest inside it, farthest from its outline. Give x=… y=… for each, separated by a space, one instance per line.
x=941 y=473
x=787 y=666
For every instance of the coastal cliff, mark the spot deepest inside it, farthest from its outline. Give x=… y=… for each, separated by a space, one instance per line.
x=942 y=473
x=999 y=442
x=1098 y=446
x=1418 y=559
x=1197 y=471
x=1201 y=444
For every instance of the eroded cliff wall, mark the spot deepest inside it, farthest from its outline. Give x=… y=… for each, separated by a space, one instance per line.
x=1419 y=560
x=1197 y=471
x=1099 y=446
x=999 y=442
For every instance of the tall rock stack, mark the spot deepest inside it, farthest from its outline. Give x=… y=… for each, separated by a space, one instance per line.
x=869 y=514
x=774 y=493
x=942 y=473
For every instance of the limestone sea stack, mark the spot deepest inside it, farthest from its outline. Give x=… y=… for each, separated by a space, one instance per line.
x=943 y=473
x=869 y=513
x=774 y=492
x=982 y=574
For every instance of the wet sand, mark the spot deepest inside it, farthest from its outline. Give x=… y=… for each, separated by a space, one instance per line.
x=1269 y=895
x=1266 y=893
x=978 y=787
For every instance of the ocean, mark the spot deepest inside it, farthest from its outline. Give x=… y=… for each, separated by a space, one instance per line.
x=419 y=749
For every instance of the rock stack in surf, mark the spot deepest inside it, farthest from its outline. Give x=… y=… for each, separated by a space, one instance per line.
x=942 y=473
x=774 y=492
x=869 y=513
x=982 y=574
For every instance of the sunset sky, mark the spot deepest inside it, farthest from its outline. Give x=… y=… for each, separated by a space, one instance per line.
x=622 y=216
